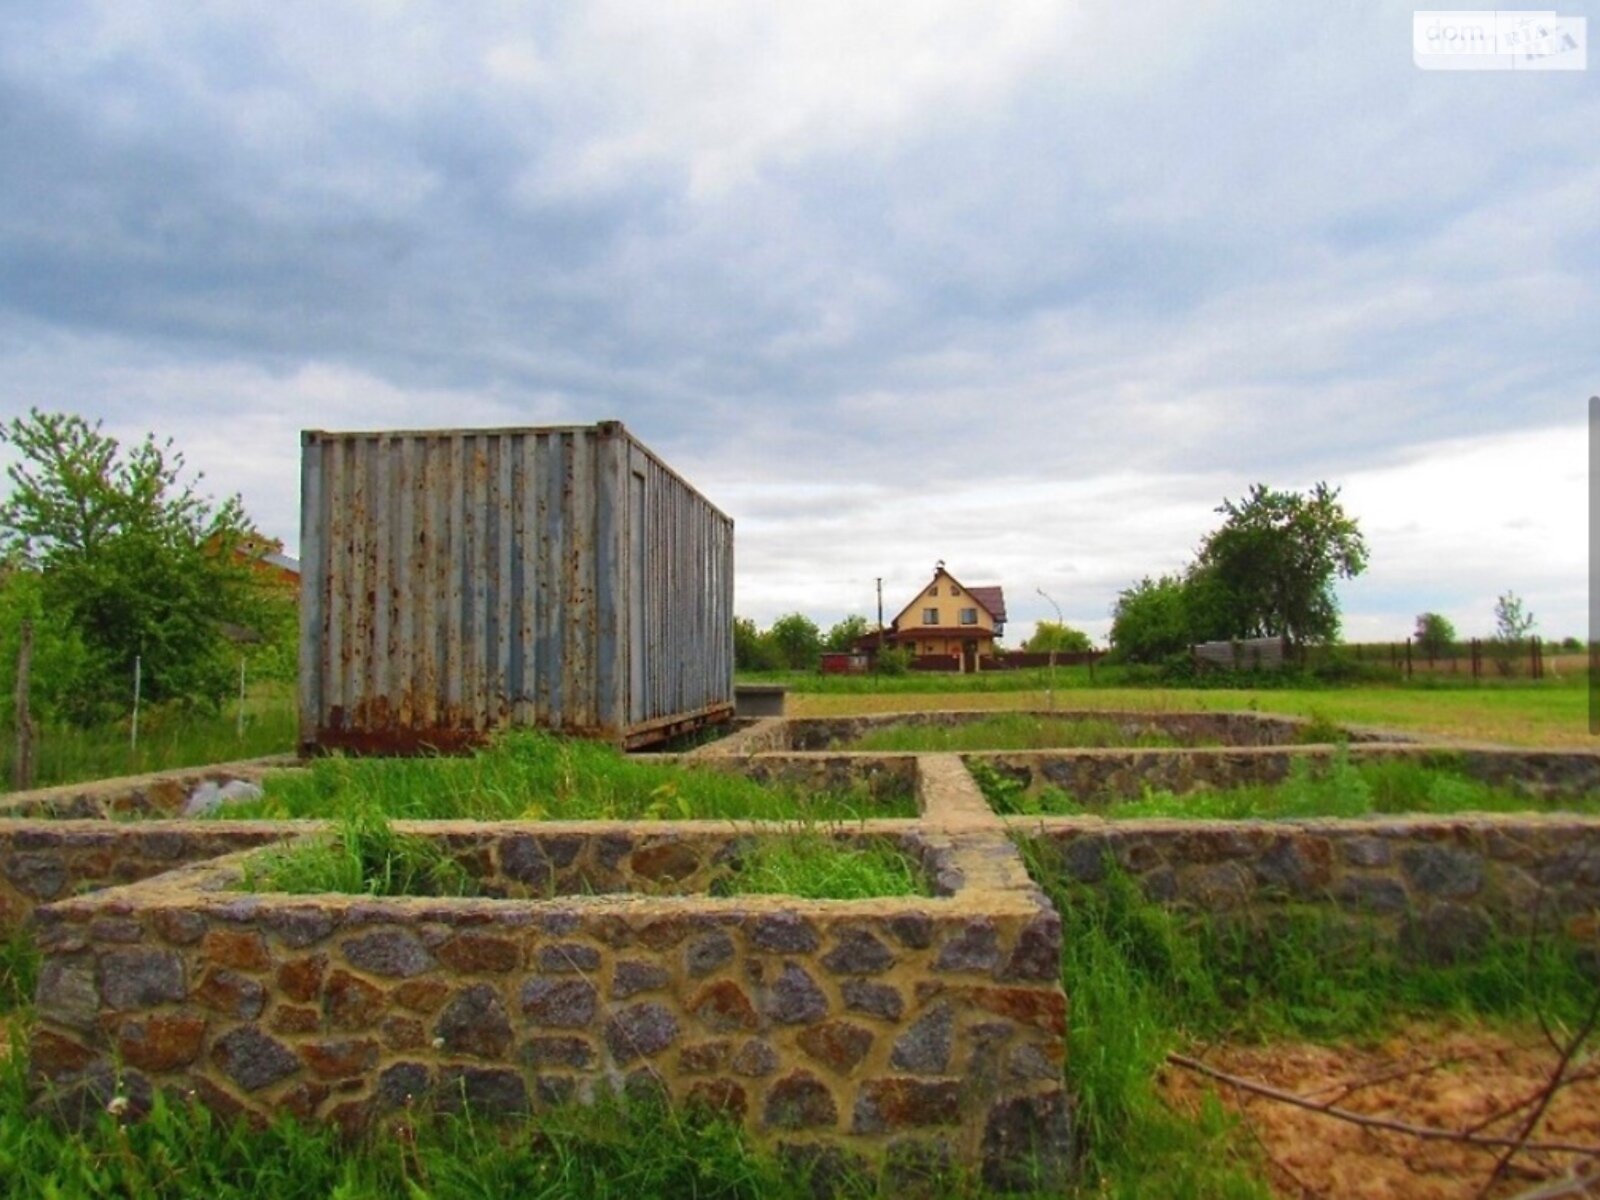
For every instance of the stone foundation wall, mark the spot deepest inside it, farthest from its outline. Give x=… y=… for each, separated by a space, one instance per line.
x=161 y=794
x=905 y=1031
x=1190 y=728
x=1105 y=776
x=41 y=861
x=1441 y=886
x=884 y=776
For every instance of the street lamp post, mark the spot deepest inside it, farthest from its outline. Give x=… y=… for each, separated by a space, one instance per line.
x=1061 y=623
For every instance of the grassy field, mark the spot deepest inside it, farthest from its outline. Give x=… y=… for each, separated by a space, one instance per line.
x=1549 y=713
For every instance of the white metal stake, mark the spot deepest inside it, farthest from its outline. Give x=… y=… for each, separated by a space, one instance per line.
x=133 y=740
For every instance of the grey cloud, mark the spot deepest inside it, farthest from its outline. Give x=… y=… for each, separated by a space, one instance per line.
x=1200 y=248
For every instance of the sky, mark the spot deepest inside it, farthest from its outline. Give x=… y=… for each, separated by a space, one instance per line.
x=1029 y=288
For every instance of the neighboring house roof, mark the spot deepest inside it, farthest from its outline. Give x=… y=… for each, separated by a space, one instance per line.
x=284 y=563
x=915 y=633
x=993 y=599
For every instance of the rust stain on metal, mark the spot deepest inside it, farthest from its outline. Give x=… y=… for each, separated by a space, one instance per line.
x=458 y=582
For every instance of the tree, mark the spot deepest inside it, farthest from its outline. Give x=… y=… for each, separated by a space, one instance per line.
x=752 y=650
x=1275 y=559
x=1511 y=622
x=797 y=641
x=843 y=636
x=1435 y=635
x=1512 y=625
x=59 y=656
x=137 y=562
x=1052 y=635
x=1156 y=618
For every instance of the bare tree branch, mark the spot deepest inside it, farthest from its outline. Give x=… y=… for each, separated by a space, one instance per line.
x=1546 y=1095
x=1532 y=1097
x=1428 y=1132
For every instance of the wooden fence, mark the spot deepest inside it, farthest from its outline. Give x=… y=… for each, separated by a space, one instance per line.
x=1477 y=658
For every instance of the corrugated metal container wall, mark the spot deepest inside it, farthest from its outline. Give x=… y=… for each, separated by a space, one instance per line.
x=458 y=582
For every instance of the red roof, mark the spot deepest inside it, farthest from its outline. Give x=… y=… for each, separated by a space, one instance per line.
x=916 y=633
x=993 y=599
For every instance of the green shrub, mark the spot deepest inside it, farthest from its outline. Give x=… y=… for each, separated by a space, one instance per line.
x=893 y=661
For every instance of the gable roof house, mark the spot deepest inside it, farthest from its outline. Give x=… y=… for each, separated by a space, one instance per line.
x=949 y=618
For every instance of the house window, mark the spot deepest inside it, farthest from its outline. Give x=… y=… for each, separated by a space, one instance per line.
x=930 y=616
x=969 y=616
x=954 y=590
x=934 y=590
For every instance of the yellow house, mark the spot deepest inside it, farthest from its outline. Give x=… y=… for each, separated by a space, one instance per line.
x=950 y=618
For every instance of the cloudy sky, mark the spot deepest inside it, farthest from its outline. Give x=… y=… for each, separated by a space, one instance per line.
x=1027 y=287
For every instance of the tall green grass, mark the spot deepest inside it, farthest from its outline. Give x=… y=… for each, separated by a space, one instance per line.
x=1010 y=731
x=170 y=736
x=367 y=856
x=364 y=856
x=813 y=866
x=535 y=776
x=19 y=969
x=612 y=1151
x=1335 y=787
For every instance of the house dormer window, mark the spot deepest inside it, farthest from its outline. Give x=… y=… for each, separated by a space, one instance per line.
x=930 y=616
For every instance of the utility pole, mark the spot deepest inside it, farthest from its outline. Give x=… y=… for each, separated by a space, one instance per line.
x=878 y=650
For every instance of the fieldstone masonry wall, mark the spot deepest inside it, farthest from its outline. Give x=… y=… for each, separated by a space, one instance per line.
x=1187 y=728
x=1104 y=776
x=913 y=1033
x=1440 y=886
x=161 y=794
x=41 y=861
x=908 y=1033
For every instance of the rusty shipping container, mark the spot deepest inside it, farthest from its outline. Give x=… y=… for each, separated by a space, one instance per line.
x=458 y=582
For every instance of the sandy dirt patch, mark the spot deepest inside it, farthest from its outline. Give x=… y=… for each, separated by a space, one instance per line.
x=1445 y=1077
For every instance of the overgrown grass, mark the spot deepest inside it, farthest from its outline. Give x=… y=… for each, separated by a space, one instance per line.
x=1011 y=731
x=169 y=736
x=19 y=969
x=1335 y=787
x=811 y=865
x=626 y=1151
x=365 y=856
x=534 y=776
x=1144 y=980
